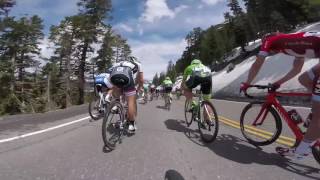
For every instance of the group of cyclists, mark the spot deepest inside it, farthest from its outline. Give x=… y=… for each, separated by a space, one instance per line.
x=126 y=78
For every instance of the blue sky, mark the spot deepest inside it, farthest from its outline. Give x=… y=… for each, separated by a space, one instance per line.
x=155 y=29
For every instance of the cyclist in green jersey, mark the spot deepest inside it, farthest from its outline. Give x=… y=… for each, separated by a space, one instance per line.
x=167 y=86
x=197 y=74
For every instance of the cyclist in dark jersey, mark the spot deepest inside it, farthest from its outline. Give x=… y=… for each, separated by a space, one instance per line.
x=299 y=45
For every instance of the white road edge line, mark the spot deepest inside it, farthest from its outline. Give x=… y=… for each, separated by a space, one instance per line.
x=42 y=131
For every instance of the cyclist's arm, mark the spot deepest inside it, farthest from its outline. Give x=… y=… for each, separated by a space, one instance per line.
x=296 y=69
x=255 y=68
x=140 y=80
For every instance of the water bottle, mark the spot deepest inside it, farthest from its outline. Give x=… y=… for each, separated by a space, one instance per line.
x=298 y=120
x=307 y=122
x=295 y=116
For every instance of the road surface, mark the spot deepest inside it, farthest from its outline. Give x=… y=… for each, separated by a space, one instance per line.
x=66 y=145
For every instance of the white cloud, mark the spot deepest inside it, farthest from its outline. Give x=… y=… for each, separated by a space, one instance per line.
x=155 y=55
x=211 y=2
x=156 y=9
x=123 y=27
x=162 y=30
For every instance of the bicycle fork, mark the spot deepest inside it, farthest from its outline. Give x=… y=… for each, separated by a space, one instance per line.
x=263 y=112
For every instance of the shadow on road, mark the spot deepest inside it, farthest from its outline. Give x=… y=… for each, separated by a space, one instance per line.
x=238 y=150
x=234 y=149
x=181 y=126
x=173 y=175
x=162 y=107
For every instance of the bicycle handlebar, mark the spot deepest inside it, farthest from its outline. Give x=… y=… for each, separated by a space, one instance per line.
x=269 y=87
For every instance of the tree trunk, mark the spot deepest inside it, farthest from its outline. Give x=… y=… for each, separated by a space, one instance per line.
x=48 y=91
x=82 y=66
x=13 y=66
x=68 y=85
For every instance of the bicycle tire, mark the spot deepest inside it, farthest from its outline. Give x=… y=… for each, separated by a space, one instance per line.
x=188 y=122
x=215 y=125
x=106 y=125
x=316 y=153
x=276 y=118
x=90 y=110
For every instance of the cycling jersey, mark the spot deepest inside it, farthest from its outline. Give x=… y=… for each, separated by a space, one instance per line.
x=103 y=79
x=122 y=76
x=302 y=44
x=135 y=66
x=198 y=74
x=196 y=70
x=167 y=83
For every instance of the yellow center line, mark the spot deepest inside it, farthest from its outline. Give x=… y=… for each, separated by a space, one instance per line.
x=255 y=131
x=281 y=140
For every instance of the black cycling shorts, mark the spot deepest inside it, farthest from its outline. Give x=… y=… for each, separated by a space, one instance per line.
x=205 y=82
x=168 y=89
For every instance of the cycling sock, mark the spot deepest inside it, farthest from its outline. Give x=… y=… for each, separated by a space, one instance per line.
x=304 y=147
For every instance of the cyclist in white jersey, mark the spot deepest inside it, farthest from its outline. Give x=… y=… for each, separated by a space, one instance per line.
x=122 y=77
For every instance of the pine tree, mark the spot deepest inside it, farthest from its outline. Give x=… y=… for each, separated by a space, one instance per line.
x=90 y=23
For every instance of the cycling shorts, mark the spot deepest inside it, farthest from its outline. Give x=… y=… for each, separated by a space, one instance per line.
x=205 y=82
x=168 y=89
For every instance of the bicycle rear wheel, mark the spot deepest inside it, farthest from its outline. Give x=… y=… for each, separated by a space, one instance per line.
x=209 y=123
x=112 y=125
x=261 y=134
x=316 y=151
x=188 y=112
x=95 y=109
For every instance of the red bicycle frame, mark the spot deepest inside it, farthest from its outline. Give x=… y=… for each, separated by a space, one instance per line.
x=271 y=100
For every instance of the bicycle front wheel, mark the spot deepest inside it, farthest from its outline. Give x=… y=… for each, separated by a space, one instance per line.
x=112 y=125
x=95 y=109
x=209 y=122
x=316 y=151
x=188 y=112
x=267 y=127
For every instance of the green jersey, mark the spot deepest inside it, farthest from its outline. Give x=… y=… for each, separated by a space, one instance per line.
x=196 y=70
x=167 y=82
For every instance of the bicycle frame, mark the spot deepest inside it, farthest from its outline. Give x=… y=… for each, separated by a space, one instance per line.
x=271 y=100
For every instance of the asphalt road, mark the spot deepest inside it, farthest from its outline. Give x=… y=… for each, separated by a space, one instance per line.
x=162 y=145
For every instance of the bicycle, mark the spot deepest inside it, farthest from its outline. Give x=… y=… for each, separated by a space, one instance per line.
x=115 y=123
x=208 y=128
x=167 y=101
x=98 y=103
x=271 y=106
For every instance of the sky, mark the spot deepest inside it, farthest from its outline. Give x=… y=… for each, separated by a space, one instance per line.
x=155 y=29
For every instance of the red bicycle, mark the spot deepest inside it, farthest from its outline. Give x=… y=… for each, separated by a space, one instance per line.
x=261 y=123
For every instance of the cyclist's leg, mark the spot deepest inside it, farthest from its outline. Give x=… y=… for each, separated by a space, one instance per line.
x=130 y=93
x=313 y=132
x=206 y=87
x=189 y=85
x=307 y=78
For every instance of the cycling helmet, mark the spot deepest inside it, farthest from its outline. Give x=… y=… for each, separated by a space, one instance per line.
x=195 y=61
x=168 y=78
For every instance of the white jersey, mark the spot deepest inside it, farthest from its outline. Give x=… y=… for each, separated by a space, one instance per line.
x=134 y=66
x=103 y=79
